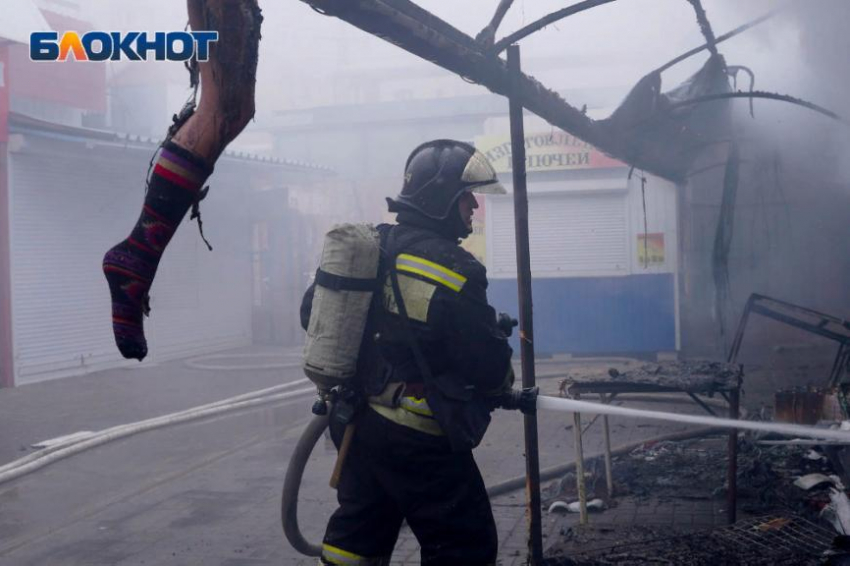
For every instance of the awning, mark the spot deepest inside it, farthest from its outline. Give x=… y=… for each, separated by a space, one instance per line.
x=20 y=18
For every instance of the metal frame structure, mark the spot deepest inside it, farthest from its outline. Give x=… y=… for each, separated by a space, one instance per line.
x=403 y=23
x=815 y=322
x=608 y=390
x=526 y=321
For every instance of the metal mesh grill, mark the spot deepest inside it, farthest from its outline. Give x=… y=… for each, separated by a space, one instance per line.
x=761 y=541
x=777 y=534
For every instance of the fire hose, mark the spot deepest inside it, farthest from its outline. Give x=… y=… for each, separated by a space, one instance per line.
x=77 y=444
x=528 y=401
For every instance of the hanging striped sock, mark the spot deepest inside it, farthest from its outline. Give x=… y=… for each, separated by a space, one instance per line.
x=131 y=265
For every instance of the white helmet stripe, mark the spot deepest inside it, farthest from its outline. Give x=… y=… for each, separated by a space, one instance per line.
x=479 y=172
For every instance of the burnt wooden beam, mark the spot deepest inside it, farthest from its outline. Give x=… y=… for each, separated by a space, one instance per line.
x=718 y=39
x=705 y=26
x=545 y=21
x=403 y=23
x=487 y=36
x=766 y=95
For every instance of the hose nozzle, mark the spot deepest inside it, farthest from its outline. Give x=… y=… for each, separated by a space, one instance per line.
x=506 y=323
x=523 y=400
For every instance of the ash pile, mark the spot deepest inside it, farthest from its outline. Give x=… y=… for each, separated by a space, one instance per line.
x=791 y=500
x=698 y=376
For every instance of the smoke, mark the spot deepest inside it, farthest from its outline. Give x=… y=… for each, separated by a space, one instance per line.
x=789 y=231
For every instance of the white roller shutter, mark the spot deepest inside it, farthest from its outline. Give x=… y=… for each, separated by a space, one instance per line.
x=69 y=205
x=570 y=235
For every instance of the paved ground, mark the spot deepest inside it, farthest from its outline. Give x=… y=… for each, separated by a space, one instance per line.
x=208 y=492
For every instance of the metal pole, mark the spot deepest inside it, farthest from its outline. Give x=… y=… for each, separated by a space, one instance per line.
x=581 y=486
x=526 y=324
x=732 y=470
x=609 y=466
x=739 y=333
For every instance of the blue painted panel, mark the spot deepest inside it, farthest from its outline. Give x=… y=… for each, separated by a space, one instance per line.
x=591 y=315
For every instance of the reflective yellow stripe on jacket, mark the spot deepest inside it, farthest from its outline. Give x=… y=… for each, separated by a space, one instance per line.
x=430 y=270
x=405 y=417
x=416 y=406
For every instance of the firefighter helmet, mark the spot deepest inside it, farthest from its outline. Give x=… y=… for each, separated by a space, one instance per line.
x=438 y=172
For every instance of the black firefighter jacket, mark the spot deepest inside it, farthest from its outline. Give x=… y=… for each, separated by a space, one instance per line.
x=445 y=294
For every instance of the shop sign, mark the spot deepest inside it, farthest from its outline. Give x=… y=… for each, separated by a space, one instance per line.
x=650 y=249
x=549 y=151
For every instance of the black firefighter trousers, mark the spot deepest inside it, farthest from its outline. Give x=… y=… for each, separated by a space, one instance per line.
x=394 y=473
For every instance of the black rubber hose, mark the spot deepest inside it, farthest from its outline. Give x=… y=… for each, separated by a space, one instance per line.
x=316 y=427
x=292 y=484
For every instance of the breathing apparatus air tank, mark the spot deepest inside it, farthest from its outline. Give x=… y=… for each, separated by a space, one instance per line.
x=345 y=282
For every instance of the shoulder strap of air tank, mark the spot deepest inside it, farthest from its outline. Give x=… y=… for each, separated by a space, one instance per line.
x=421 y=363
x=343 y=283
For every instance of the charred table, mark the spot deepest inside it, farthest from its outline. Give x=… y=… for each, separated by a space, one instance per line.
x=691 y=377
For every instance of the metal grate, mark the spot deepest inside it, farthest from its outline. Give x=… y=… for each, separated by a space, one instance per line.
x=776 y=534
x=769 y=540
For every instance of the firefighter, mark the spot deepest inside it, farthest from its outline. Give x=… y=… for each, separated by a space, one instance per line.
x=429 y=393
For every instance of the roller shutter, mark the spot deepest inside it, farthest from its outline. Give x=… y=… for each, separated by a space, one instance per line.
x=570 y=235
x=69 y=204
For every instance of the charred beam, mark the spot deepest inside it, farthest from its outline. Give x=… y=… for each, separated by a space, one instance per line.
x=545 y=21
x=762 y=94
x=487 y=36
x=408 y=26
x=705 y=26
x=719 y=39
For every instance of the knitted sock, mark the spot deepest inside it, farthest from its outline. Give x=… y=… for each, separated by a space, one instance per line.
x=130 y=266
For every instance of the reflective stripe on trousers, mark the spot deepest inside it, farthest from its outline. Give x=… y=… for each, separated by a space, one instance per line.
x=340 y=557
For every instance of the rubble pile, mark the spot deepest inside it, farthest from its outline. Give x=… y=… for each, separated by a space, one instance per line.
x=790 y=504
x=767 y=541
x=700 y=376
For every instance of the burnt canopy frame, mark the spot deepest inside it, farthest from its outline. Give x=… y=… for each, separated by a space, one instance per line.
x=533 y=27
x=766 y=95
x=406 y=25
x=705 y=26
x=728 y=35
x=487 y=35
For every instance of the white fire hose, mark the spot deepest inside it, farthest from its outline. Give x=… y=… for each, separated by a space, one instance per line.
x=530 y=401
x=547 y=403
x=75 y=445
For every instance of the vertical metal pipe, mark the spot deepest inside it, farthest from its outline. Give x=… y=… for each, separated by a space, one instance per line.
x=526 y=324
x=732 y=470
x=609 y=466
x=581 y=486
x=739 y=333
x=838 y=365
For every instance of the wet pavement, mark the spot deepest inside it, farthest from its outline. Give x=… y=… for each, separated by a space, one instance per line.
x=208 y=491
